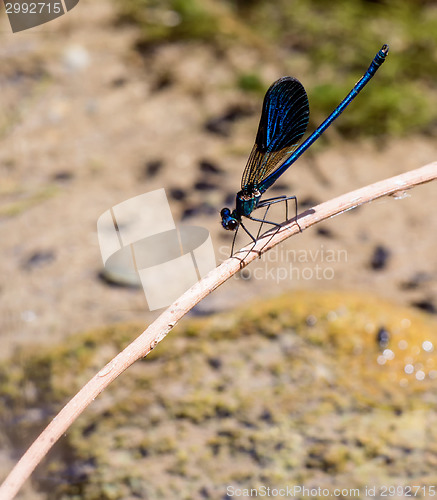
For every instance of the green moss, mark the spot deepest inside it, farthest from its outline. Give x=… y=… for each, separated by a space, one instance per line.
x=170 y=20
x=250 y=82
x=389 y=109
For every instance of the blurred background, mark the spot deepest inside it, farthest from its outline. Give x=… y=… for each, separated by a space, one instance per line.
x=315 y=365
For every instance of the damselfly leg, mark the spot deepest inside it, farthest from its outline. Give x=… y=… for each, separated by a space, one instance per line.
x=271 y=201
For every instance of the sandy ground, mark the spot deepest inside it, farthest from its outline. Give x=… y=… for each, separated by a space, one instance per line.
x=86 y=124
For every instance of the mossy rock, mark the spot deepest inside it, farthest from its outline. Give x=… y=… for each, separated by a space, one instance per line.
x=295 y=390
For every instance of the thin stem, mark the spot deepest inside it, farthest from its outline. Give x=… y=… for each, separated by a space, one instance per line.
x=168 y=319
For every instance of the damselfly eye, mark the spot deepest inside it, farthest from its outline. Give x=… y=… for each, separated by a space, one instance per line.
x=232 y=224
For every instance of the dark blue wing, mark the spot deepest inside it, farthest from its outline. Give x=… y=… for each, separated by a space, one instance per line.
x=284 y=119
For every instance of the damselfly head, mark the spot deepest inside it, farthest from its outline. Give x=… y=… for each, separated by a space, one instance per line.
x=229 y=222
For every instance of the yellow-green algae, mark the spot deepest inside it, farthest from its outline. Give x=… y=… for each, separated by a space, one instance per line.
x=294 y=390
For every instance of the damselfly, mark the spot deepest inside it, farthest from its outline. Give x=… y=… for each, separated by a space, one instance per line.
x=284 y=119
